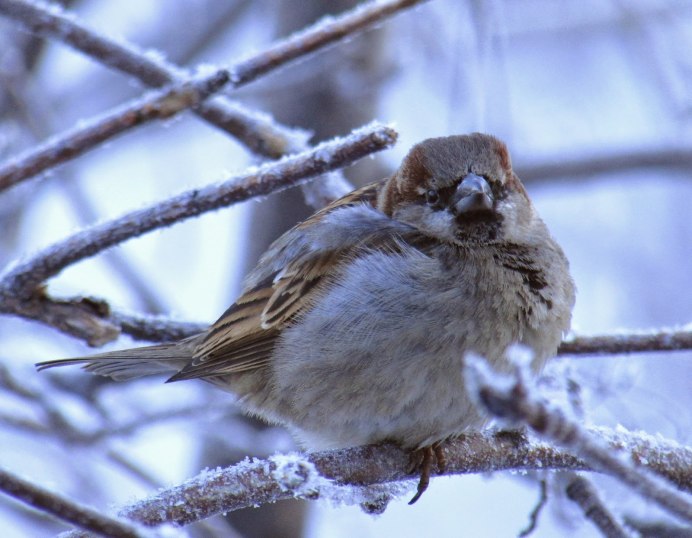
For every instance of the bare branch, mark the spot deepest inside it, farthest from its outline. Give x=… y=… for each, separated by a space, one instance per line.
x=511 y=399
x=84 y=318
x=256 y=131
x=20 y=287
x=632 y=342
x=63 y=508
x=536 y=512
x=658 y=529
x=74 y=142
x=594 y=165
x=582 y=492
x=252 y=483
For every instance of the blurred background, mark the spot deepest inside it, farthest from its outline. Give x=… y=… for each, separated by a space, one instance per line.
x=594 y=100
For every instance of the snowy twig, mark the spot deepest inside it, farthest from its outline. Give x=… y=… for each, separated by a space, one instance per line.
x=20 y=291
x=633 y=342
x=64 y=509
x=158 y=105
x=257 y=132
x=512 y=400
x=256 y=482
x=583 y=493
x=317 y=36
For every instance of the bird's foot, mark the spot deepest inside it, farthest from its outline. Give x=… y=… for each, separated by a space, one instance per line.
x=422 y=459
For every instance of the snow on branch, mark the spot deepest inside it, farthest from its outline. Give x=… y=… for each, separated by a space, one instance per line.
x=157 y=105
x=511 y=399
x=20 y=287
x=257 y=131
x=324 y=32
x=64 y=509
x=155 y=328
x=674 y=339
x=348 y=475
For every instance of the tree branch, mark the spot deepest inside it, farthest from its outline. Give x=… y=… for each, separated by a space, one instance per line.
x=581 y=491
x=677 y=339
x=158 y=105
x=20 y=290
x=63 y=508
x=320 y=474
x=257 y=131
x=578 y=166
x=155 y=328
x=511 y=399
x=317 y=36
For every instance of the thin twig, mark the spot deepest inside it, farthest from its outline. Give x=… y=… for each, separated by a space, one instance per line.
x=161 y=104
x=316 y=37
x=63 y=508
x=657 y=529
x=147 y=419
x=633 y=342
x=20 y=287
x=511 y=399
x=536 y=512
x=57 y=420
x=583 y=493
x=136 y=470
x=258 y=133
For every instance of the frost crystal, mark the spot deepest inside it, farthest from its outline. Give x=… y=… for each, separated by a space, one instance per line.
x=294 y=473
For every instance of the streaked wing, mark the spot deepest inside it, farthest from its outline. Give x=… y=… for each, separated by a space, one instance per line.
x=283 y=285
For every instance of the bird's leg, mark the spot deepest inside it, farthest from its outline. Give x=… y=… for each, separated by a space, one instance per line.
x=422 y=460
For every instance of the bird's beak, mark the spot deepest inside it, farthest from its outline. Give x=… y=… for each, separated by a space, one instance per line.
x=472 y=195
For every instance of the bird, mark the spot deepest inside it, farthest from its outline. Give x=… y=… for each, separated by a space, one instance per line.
x=355 y=324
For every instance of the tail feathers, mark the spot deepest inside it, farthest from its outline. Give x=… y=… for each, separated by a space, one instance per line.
x=131 y=363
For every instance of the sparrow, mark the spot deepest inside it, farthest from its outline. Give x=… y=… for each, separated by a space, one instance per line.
x=355 y=324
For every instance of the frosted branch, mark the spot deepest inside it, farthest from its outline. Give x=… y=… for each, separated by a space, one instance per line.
x=158 y=105
x=155 y=328
x=582 y=492
x=257 y=131
x=320 y=474
x=20 y=291
x=317 y=36
x=512 y=399
x=633 y=342
x=63 y=508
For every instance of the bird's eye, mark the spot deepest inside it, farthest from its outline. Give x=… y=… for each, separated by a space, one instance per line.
x=432 y=196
